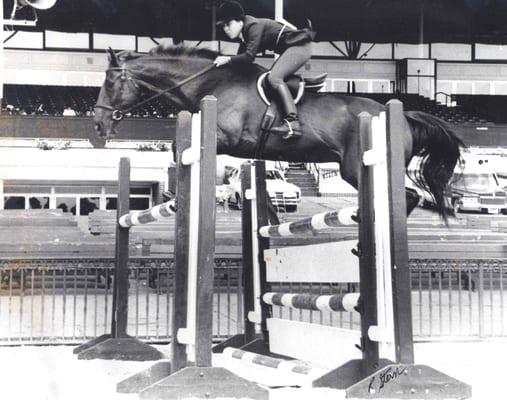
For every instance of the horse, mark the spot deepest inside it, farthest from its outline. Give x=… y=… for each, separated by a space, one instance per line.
x=329 y=120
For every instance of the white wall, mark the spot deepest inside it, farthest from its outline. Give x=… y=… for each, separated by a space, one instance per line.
x=79 y=164
x=123 y=42
x=26 y=40
x=410 y=51
x=40 y=67
x=62 y=40
x=490 y=52
x=451 y=52
x=372 y=73
x=467 y=78
x=442 y=51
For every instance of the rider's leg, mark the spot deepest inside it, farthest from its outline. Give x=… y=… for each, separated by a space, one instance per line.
x=289 y=62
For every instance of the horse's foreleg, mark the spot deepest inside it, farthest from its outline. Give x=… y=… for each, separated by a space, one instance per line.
x=272 y=215
x=173 y=150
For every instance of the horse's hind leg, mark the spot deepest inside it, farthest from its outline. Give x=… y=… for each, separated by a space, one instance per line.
x=350 y=174
x=413 y=199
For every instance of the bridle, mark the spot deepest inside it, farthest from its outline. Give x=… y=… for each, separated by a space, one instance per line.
x=118 y=114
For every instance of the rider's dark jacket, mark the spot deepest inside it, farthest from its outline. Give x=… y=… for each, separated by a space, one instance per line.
x=262 y=34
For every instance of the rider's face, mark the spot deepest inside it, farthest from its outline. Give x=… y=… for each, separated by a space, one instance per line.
x=233 y=28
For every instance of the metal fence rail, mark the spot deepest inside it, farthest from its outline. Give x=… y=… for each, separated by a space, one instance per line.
x=69 y=301
x=459 y=299
x=58 y=301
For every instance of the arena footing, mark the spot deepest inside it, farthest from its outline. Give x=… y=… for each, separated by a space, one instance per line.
x=204 y=383
x=124 y=348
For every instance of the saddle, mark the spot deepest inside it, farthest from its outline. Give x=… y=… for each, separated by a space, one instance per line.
x=296 y=84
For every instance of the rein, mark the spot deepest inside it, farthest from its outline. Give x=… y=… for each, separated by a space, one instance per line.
x=119 y=114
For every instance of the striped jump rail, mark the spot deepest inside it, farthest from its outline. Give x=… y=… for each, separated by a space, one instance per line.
x=294 y=366
x=153 y=214
x=319 y=222
x=336 y=302
x=384 y=299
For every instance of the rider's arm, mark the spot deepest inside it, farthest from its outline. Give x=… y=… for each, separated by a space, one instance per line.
x=248 y=51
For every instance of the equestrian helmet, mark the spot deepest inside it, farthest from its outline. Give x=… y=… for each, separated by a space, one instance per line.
x=230 y=10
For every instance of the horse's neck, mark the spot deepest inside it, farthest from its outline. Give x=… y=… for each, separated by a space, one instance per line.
x=171 y=72
x=160 y=74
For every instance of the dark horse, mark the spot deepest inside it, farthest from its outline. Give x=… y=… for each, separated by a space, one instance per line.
x=329 y=120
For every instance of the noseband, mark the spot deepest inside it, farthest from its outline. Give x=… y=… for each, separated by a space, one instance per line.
x=117 y=114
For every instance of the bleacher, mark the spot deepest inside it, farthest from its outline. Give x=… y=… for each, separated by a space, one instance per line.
x=489 y=107
x=49 y=234
x=102 y=223
x=415 y=102
x=53 y=100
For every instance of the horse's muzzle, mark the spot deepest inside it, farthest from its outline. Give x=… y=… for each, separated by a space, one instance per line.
x=105 y=131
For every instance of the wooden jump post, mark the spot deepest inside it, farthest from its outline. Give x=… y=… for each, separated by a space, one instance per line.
x=118 y=344
x=384 y=299
x=189 y=371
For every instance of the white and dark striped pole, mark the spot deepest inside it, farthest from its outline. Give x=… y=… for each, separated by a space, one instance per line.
x=336 y=302
x=292 y=366
x=156 y=213
x=333 y=219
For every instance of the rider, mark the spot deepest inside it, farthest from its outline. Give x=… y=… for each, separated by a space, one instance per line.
x=258 y=34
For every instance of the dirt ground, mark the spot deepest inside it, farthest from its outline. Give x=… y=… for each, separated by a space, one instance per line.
x=54 y=373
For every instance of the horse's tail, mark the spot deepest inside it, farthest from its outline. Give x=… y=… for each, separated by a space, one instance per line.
x=438 y=147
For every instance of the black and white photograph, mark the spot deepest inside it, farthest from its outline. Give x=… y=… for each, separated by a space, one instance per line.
x=253 y=199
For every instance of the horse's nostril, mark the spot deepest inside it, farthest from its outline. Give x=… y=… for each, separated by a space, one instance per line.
x=99 y=129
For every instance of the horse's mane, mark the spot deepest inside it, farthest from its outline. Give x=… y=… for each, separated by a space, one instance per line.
x=248 y=71
x=169 y=51
x=202 y=53
x=182 y=50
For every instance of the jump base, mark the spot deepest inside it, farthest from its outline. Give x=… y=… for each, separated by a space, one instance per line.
x=92 y=343
x=399 y=381
x=140 y=381
x=204 y=383
x=346 y=375
x=409 y=381
x=127 y=349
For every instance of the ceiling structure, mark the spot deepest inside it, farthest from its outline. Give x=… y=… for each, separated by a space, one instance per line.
x=373 y=21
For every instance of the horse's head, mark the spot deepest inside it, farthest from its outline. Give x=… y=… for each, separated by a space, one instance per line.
x=180 y=74
x=118 y=93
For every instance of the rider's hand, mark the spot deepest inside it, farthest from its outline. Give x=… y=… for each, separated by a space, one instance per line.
x=222 y=60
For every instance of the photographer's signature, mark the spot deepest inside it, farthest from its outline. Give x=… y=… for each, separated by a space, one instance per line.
x=379 y=381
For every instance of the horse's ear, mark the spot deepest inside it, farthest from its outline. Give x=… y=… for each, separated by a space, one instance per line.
x=113 y=60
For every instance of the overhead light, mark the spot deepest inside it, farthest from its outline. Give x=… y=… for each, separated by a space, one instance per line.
x=34 y=4
x=38 y=4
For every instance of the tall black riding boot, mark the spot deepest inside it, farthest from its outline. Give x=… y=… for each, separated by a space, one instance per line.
x=290 y=127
